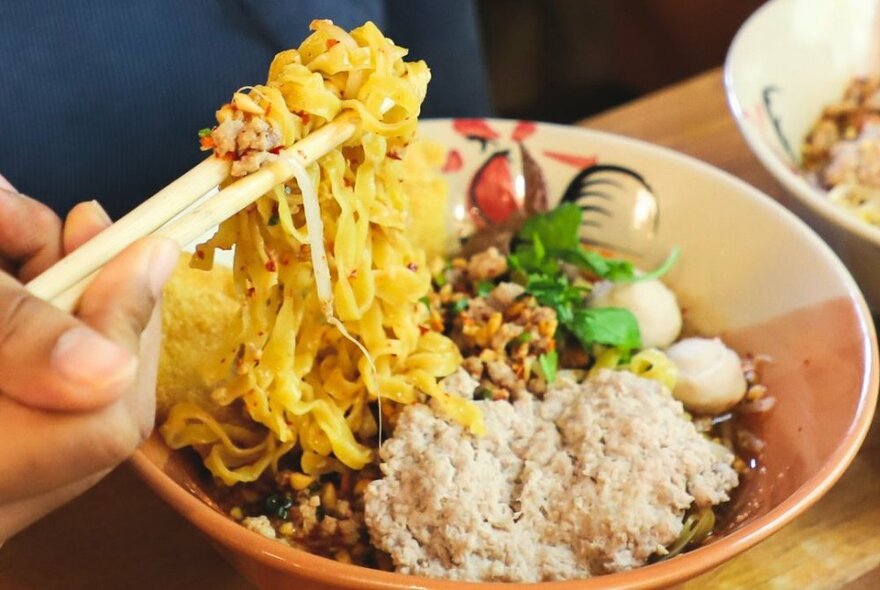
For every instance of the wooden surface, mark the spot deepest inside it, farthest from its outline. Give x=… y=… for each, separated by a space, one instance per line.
x=119 y=535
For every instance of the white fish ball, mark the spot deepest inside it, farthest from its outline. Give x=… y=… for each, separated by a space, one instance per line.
x=710 y=378
x=652 y=303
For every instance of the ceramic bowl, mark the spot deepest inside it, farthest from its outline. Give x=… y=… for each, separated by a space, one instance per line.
x=790 y=59
x=749 y=270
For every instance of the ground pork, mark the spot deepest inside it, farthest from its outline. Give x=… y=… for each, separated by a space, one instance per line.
x=594 y=478
x=261 y=525
x=488 y=264
x=249 y=140
x=460 y=383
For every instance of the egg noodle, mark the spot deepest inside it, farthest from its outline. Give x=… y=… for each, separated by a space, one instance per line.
x=650 y=363
x=331 y=319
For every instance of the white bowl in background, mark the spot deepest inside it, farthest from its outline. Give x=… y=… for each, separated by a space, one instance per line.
x=790 y=59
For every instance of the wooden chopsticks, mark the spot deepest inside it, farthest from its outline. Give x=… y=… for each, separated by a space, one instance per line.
x=64 y=283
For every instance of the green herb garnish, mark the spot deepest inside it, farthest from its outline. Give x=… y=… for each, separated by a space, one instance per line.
x=426 y=301
x=611 y=326
x=484 y=288
x=205 y=132
x=459 y=306
x=547 y=365
x=483 y=393
x=524 y=338
x=547 y=241
x=549 y=238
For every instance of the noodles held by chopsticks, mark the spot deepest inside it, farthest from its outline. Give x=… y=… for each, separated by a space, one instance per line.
x=315 y=300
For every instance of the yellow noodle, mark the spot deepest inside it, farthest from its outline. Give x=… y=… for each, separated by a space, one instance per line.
x=300 y=383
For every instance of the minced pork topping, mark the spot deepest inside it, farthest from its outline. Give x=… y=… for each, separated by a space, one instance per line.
x=595 y=478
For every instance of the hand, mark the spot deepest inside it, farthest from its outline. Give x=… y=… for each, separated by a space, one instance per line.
x=76 y=391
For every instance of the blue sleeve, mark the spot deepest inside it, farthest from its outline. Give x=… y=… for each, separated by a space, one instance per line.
x=111 y=94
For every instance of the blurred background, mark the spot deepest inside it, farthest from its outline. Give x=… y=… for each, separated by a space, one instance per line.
x=547 y=60
x=562 y=60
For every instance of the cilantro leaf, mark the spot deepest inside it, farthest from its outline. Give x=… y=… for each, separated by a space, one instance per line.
x=484 y=288
x=557 y=292
x=524 y=338
x=547 y=364
x=608 y=268
x=615 y=327
x=548 y=238
x=556 y=230
x=205 y=132
x=611 y=326
x=459 y=305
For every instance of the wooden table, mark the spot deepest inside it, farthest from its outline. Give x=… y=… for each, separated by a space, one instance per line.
x=119 y=535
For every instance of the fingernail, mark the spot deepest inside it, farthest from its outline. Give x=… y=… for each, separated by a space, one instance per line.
x=162 y=263
x=87 y=358
x=100 y=213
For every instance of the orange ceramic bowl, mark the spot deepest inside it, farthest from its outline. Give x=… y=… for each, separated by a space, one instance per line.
x=749 y=271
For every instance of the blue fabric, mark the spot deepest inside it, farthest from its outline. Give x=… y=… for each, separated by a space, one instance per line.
x=102 y=99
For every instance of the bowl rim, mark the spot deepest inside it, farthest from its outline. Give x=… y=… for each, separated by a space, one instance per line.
x=224 y=531
x=814 y=198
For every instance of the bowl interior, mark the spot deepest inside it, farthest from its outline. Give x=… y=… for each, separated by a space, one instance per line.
x=749 y=270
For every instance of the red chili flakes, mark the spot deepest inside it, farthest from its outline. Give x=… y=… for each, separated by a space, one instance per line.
x=251 y=291
x=200 y=254
x=304 y=117
x=331 y=43
x=393 y=155
x=270 y=265
x=276 y=150
x=413 y=266
x=423 y=329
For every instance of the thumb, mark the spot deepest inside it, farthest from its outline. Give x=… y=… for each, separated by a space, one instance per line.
x=52 y=360
x=119 y=302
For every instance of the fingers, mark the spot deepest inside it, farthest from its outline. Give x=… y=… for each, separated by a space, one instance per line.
x=30 y=234
x=53 y=450
x=85 y=221
x=81 y=444
x=120 y=300
x=51 y=360
x=41 y=451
